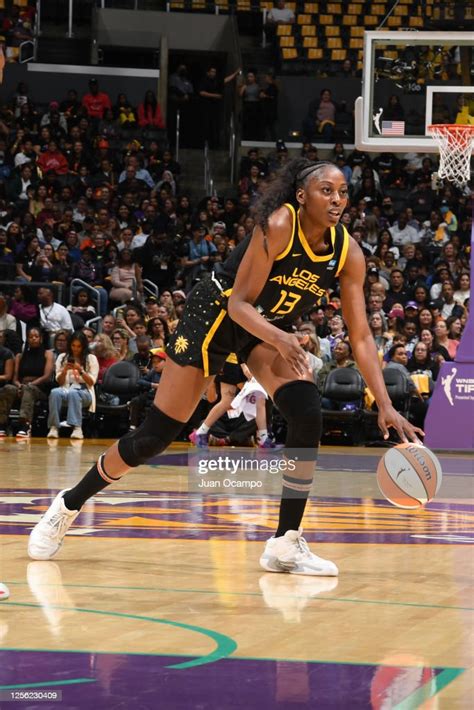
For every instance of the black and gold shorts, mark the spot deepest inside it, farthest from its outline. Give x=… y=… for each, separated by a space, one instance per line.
x=205 y=335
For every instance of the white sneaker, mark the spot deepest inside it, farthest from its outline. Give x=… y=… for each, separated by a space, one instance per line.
x=3 y=433
x=53 y=433
x=77 y=433
x=4 y=592
x=47 y=536
x=24 y=433
x=290 y=553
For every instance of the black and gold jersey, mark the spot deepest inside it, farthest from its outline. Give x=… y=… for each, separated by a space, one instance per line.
x=299 y=278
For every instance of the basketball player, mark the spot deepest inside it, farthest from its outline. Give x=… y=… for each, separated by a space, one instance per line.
x=232 y=376
x=296 y=251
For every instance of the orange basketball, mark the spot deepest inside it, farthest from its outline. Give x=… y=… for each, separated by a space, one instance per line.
x=409 y=475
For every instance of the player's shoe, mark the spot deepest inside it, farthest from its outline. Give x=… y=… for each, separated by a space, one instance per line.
x=47 y=536
x=290 y=553
x=4 y=592
x=24 y=433
x=217 y=440
x=3 y=433
x=199 y=440
x=266 y=443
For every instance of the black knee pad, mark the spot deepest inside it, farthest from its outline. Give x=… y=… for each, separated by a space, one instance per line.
x=300 y=403
x=151 y=438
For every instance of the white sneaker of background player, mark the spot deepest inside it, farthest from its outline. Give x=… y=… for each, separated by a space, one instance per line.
x=47 y=536
x=290 y=553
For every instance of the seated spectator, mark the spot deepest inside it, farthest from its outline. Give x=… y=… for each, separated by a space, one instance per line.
x=53 y=316
x=398 y=359
x=455 y=327
x=321 y=117
x=71 y=106
x=96 y=102
x=421 y=363
x=463 y=288
x=309 y=341
x=197 y=260
x=23 y=305
x=341 y=358
x=60 y=341
x=120 y=339
x=148 y=384
x=402 y=233
x=62 y=268
x=157 y=329
x=126 y=319
x=32 y=379
x=7 y=320
x=106 y=355
x=443 y=340
x=377 y=329
x=252 y=184
x=92 y=273
x=141 y=357
x=8 y=391
x=450 y=307
x=7 y=258
x=124 y=113
x=338 y=333
x=125 y=278
x=52 y=161
x=76 y=375
x=139 y=329
x=20 y=183
x=82 y=305
x=149 y=113
x=26 y=268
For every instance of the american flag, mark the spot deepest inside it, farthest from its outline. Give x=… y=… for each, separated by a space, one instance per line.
x=393 y=128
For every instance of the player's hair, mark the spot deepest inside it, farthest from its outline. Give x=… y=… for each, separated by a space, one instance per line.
x=282 y=188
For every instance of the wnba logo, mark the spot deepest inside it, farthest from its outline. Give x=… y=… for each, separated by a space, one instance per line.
x=447 y=385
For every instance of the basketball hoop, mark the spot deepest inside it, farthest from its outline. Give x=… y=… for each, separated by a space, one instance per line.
x=455 y=148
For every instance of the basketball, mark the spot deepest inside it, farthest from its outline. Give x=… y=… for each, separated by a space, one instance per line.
x=409 y=475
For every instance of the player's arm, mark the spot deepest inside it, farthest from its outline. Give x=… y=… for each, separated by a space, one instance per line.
x=252 y=276
x=363 y=345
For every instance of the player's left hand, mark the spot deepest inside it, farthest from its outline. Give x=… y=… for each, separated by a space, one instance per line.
x=389 y=417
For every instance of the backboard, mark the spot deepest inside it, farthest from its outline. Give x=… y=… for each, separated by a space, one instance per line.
x=428 y=73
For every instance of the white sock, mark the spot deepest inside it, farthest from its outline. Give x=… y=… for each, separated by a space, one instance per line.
x=203 y=429
x=262 y=434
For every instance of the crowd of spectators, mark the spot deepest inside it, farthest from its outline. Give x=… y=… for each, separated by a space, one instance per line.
x=89 y=191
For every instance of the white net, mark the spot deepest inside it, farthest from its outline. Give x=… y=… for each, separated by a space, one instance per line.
x=455 y=148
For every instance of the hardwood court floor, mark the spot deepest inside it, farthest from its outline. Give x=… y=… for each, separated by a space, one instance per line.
x=156 y=599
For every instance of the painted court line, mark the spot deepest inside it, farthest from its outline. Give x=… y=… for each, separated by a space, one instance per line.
x=47 y=683
x=225 y=645
x=166 y=590
x=429 y=690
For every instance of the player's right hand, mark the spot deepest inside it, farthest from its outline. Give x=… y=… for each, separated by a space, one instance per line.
x=291 y=351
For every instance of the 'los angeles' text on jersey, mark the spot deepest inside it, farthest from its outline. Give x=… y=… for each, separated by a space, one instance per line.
x=299 y=278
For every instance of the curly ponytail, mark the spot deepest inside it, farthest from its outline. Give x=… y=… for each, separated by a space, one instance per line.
x=282 y=188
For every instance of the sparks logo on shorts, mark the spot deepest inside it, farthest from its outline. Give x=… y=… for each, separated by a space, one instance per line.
x=181 y=344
